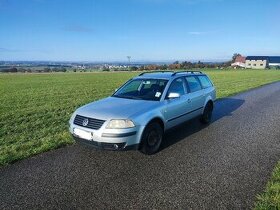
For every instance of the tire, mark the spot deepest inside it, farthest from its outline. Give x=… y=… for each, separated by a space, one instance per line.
x=151 y=138
x=207 y=114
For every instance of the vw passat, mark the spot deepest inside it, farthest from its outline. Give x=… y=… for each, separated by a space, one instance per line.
x=137 y=115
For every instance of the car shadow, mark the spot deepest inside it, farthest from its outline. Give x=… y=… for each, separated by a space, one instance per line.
x=223 y=107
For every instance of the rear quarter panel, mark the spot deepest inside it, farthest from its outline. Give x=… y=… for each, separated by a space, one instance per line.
x=210 y=95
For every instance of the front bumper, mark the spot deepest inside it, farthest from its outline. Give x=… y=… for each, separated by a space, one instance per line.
x=110 y=139
x=106 y=146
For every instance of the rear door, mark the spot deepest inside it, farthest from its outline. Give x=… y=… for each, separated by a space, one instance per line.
x=207 y=86
x=196 y=96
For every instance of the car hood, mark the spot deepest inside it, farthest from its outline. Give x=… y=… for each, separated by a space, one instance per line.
x=116 y=108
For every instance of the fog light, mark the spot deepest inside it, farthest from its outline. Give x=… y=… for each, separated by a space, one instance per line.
x=116 y=146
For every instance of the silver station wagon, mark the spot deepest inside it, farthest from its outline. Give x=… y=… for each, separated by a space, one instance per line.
x=137 y=115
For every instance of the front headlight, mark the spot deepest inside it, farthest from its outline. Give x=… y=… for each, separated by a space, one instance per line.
x=115 y=124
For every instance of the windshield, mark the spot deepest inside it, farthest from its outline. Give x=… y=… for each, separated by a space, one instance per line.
x=142 y=89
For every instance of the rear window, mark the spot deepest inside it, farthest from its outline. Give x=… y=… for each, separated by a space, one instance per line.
x=205 y=82
x=193 y=84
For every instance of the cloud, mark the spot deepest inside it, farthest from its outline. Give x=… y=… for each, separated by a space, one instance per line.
x=10 y=50
x=78 y=28
x=2 y=49
x=198 y=33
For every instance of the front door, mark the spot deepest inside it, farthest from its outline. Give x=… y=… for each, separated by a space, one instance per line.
x=176 y=108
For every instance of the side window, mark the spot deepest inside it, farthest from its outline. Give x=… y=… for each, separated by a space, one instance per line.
x=205 y=82
x=177 y=86
x=193 y=84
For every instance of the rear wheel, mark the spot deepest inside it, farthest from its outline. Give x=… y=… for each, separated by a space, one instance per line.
x=151 y=138
x=207 y=114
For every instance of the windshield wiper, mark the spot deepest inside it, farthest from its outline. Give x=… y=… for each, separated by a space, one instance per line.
x=127 y=97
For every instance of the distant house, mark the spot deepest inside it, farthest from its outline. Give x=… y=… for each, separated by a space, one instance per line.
x=274 y=61
x=262 y=62
x=239 y=62
x=256 y=62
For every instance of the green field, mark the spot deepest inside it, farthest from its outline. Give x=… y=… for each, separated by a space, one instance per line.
x=35 y=108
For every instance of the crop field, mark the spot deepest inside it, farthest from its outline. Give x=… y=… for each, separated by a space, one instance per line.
x=35 y=108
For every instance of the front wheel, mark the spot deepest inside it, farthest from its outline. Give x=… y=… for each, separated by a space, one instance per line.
x=151 y=139
x=207 y=114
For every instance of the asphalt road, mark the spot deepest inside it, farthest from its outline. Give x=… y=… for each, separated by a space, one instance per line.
x=221 y=166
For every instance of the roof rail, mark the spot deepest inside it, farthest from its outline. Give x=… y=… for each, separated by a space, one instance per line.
x=192 y=72
x=148 y=72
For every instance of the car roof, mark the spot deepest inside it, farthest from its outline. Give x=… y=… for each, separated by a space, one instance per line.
x=167 y=74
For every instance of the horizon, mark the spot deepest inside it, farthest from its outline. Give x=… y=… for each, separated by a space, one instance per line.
x=136 y=61
x=119 y=61
x=147 y=30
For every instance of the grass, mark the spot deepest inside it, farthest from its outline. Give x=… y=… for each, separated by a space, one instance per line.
x=270 y=199
x=35 y=108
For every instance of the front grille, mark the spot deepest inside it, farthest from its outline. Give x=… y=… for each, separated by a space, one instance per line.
x=92 y=123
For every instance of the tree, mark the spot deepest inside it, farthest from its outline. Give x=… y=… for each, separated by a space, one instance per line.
x=47 y=69
x=164 y=67
x=63 y=69
x=235 y=55
x=174 y=66
x=133 y=68
x=152 y=67
x=13 y=70
x=187 y=65
x=141 y=68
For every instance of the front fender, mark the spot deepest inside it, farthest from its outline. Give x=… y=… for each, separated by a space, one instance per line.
x=147 y=117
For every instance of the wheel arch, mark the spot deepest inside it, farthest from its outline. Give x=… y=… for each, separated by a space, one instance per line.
x=209 y=100
x=157 y=120
x=211 y=103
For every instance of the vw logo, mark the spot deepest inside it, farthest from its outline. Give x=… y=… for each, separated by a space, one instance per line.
x=85 y=122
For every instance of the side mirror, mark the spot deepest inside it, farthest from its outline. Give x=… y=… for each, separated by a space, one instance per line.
x=116 y=89
x=173 y=95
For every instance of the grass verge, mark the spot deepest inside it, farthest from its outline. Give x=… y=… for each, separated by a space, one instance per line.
x=270 y=198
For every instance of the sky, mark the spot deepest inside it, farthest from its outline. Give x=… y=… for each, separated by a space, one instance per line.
x=146 y=30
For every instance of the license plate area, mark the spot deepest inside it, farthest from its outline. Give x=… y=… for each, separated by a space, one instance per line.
x=82 y=134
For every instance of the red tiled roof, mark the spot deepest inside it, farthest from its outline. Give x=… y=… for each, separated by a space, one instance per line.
x=240 y=59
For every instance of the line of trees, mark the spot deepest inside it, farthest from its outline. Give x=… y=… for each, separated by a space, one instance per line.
x=185 y=65
x=47 y=69
x=11 y=70
x=173 y=66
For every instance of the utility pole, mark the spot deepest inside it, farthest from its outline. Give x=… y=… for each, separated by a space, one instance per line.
x=128 y=57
